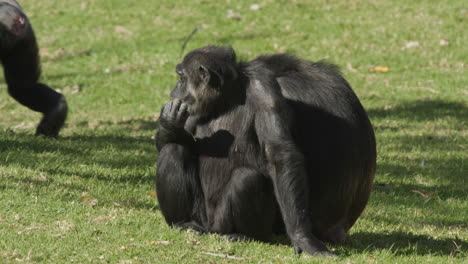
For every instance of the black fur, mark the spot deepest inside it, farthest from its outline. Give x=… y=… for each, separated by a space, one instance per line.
x=19 y=55
x=262 y=147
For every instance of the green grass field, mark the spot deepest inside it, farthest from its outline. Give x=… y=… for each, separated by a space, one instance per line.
x=88 y=197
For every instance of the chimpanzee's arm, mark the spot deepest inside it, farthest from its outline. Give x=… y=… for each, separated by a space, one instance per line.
x=171 y=125
x=285 y=163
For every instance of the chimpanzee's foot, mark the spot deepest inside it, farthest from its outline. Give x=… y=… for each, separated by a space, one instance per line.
x=196 y=227
x=53 y=121
x=237 y=238
x=322 y=254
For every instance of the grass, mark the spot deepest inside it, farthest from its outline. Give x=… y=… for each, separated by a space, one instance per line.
x=88 y=196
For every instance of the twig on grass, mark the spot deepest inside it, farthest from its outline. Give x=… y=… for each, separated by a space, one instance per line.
x=222 y=255
x=424 y=195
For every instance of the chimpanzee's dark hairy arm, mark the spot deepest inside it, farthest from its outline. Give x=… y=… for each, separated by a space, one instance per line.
x=172 y=120
x=285 y=162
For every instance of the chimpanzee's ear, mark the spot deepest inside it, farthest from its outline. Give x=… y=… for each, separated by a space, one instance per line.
x=210 y=76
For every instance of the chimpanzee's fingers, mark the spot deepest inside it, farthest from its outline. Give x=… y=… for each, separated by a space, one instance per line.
x=183 y=113
x=166 y=110
x=175 y=107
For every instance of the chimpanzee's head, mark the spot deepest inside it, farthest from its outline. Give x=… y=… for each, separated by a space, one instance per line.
x=203 y=77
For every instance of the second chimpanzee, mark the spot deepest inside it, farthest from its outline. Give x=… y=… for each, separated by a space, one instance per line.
x=19 y=55
x=273 y=145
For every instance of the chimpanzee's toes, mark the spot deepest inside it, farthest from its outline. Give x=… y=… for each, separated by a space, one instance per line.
x=237 y=238
x=194 y=226
x=322 y=253
x=53 y=121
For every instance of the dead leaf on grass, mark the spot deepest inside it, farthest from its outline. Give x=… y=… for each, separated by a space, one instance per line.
x=443 y=42
x=379 y=69
x=42 y=177
x=410 y=44
x=72 y=89
x=123 y=248
x=123 y=31
x=89 y=200
x=255 y=7
x=233 y=15
x=350 y=67
x=64 y=226
x=163 y=243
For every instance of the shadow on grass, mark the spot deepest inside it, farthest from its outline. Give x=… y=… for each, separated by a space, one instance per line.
x=81 y=149
x=408 y=191
x=400 y=243
x=125 y=125
x=421 y=110
x=111 y=157
x=451 y=170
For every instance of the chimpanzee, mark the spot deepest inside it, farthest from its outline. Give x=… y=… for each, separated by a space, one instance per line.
x=19 y=55
x=274 y=145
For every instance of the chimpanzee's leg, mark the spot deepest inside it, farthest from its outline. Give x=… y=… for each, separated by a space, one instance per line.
x=248 y=207
x=19 y=55
x=41 y=98
x=36 y=96
x=178 y=187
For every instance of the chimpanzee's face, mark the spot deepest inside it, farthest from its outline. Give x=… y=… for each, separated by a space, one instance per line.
x=194 y=88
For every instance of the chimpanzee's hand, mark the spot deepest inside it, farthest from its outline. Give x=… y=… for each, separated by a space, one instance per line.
x=174 y=114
